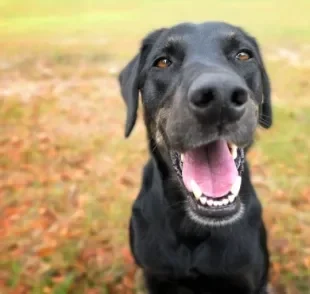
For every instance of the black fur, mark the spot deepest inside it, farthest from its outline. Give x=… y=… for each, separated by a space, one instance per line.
x=177 y=254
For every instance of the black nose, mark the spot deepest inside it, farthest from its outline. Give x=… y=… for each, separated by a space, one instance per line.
x=218 y=94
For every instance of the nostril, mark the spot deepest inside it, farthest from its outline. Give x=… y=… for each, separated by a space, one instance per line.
x=239 y=97
x=203 y=98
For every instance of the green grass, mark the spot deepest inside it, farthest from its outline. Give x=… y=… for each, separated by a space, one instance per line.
x=119 y=22
x=67 y=175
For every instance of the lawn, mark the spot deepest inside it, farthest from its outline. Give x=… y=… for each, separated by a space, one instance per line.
x=67 y=176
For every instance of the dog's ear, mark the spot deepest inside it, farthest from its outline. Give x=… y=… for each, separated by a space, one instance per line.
x=129 y=80
x=265 y=118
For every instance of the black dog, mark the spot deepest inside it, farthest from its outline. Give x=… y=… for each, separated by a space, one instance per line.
x=196 y=225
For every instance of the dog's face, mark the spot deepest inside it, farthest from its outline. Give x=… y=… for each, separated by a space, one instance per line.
x=204 y=91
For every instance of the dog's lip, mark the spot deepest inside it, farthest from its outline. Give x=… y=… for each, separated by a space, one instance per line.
x=188 y=147
x=230 y=144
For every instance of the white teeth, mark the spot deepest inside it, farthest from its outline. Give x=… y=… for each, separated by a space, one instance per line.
x=233 y=150
x=235 y=188
x=225 y=201
x=231 y=198
x=222 y=202
x=196 y=189
x=204 y=200
x=210 y=202
x=182 y=157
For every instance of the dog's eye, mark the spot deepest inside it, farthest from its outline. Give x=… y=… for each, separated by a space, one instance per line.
x=162 y=62
x=244 y=55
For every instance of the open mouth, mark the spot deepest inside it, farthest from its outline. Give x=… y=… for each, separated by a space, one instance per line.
x=211 y=175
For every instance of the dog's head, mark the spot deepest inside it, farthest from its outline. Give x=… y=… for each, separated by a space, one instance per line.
x=204 y=90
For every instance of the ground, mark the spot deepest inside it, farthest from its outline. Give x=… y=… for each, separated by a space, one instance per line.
x=67 y=176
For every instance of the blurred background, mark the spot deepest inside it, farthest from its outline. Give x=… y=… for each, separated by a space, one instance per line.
x=68 y=177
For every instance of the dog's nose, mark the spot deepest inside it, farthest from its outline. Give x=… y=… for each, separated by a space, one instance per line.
x=221 y=94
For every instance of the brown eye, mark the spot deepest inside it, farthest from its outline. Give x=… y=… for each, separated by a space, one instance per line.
x=163 y=63
x=243 y=56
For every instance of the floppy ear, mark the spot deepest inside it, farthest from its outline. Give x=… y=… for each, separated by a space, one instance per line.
x=129 y=80
x=265 y=119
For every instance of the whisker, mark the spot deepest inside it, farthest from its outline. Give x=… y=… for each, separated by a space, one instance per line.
x=154 y=148
x=263 y=114
x=262 y=120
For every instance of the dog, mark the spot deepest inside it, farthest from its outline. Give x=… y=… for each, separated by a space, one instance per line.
x=196 y=225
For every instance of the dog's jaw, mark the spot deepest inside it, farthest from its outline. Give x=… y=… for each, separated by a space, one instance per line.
x=207 y=210
x=205 y=221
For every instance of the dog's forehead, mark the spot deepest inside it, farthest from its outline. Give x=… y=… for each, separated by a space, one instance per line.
x=191 y=39
x=202 y=31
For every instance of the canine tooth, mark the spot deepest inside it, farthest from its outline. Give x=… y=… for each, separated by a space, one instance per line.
x=225 y=201
x=231 y=198
x=182 y=157
x=203 y=200
x=235 y=188
x=210 y=202
x=234 y=149
x=196 y=189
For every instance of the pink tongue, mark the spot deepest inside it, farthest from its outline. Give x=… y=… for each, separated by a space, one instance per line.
x=211 y=167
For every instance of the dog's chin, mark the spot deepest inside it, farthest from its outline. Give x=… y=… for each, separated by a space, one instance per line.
x=217 y=217
x=224 y=206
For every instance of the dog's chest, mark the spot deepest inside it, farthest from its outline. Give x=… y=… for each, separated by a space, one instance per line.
x=160 y=250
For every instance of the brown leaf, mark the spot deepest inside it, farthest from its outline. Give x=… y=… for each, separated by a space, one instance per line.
x=306 y=262
x=45 y=251
x=127 y=255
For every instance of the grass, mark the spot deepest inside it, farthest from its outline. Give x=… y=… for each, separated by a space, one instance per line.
x=67 y=177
